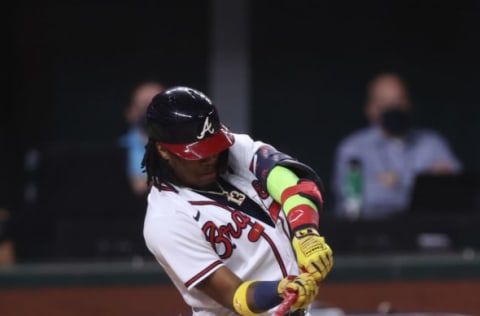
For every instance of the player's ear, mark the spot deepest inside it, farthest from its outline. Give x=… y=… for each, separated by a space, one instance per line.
x=163 y=152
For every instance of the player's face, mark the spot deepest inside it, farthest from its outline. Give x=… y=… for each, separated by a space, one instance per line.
x=196 y=173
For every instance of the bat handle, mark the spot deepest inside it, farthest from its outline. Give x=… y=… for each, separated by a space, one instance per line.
x=290 y=298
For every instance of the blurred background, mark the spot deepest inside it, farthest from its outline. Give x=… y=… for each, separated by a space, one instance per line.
x=290 y=73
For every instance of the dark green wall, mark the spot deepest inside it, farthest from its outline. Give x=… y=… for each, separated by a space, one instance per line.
x=76 y=63
x=311 y=63
x=72 y=66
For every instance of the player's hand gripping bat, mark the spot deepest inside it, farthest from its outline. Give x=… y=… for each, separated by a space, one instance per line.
x=297 y=292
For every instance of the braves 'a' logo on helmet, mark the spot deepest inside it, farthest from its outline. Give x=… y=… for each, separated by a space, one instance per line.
x=207 y=127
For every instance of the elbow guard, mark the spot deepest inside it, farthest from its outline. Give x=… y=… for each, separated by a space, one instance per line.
x=263 y=161
x=267 y=157
x=303 y=172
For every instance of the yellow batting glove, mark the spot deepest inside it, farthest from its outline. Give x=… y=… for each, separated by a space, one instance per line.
x=314 y=256
x=303 y=285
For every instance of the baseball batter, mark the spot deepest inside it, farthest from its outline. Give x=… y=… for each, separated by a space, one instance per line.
x=232 y=221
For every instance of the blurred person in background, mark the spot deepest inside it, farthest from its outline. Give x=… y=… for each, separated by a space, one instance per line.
x=135 y=139
x=375 y=167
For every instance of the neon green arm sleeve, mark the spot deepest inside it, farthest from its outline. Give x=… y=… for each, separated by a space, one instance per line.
x=278 y=180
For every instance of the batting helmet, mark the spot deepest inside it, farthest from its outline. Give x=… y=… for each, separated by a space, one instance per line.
x=185 y=122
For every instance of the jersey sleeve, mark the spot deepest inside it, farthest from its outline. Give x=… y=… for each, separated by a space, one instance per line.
x=180 y=247
x=242 y=153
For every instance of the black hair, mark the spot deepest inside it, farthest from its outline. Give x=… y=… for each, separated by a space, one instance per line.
x=157 y=168
x=159 y=171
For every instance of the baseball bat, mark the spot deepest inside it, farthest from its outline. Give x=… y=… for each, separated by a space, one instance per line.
x=290 y=298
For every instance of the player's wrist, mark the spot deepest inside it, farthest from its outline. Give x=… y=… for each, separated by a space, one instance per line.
x=254 y=297
x=266 y=295
x=240 y=300
x=301 y=217
x=307 y=230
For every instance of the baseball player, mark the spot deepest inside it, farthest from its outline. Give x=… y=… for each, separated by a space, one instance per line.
x=232 y=221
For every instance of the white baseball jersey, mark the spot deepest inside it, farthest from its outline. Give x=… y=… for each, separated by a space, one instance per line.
x=191 y=235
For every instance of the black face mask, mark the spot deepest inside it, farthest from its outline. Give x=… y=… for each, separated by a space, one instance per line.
x=396 y=122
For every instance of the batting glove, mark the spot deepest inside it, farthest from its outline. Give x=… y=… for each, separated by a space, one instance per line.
x=314 y=256
x=303 y=285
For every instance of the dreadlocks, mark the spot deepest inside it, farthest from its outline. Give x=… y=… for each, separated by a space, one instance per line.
x=155 y=166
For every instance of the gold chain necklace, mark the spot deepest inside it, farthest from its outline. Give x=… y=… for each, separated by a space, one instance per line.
x=232 y=196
